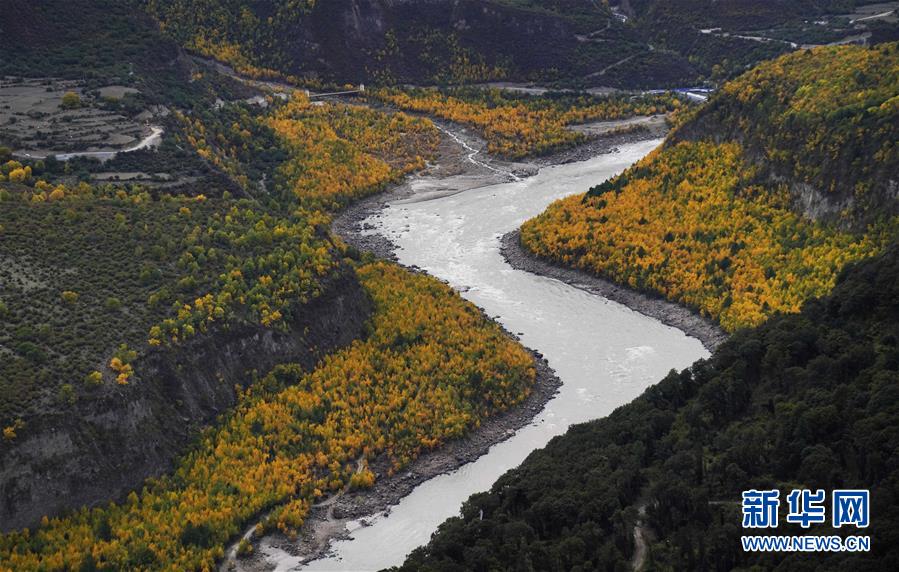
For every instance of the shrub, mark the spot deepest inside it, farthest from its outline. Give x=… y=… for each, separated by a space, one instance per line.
x=364 y=479
x=66 y=394
x=93 y=378
x=70 y=100
x=69 y=297
x=244 y=548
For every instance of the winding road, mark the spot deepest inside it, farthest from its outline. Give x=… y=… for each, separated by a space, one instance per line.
x=151 y=140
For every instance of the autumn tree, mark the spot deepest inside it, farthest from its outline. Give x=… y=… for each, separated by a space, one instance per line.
x=70 y=100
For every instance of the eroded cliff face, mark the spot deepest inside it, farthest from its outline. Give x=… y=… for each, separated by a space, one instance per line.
x=841 y=206
x=108 y=444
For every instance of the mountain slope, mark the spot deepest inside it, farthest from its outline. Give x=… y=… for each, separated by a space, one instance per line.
x=583 y=43
x=824 y=121
x=801 y=400
x=804 y=401
x=438 y=41
x=757 y=199
x=723 y=38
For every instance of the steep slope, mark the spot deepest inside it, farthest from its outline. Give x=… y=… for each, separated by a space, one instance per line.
x=757 y=200
x=154 y=334
x=824 y=121
x=431 y=368
x=79 y=39
x=437 y=41
x=723 y=38
x=102 y=442
x=583 y=43
x=804 y=401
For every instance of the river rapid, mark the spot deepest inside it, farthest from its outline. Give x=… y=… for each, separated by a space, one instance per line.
x=605 y=354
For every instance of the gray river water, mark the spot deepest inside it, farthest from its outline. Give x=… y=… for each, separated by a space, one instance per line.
x=604 y=353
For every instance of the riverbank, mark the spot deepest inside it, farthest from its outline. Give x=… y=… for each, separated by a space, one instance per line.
x=333 y=518
x=669 y=313
x=458 y=169
x=328 y=520
x=467 y=173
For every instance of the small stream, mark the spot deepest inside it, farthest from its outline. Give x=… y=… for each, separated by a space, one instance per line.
x=604 y=353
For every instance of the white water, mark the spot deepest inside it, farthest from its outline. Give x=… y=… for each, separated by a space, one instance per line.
x=604 y=353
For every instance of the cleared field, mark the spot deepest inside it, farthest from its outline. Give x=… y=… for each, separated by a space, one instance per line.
x=35 y=122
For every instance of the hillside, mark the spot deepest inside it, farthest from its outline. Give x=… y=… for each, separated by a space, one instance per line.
x=80 y=39
x=824 y=121
x=143 y=295
x=579 y=43
x=757 y=199
x=574 y=43
x=806 y=400
x=723 y=38
x=439 y=41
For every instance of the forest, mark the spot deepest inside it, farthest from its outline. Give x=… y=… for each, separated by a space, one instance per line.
x=824 y=117
x=567 y=43
x=431 y=367
x=687 y=223
x=345 y=152
x=518 y=126
x=806 y=400
x=699 y=221
x=78 y=39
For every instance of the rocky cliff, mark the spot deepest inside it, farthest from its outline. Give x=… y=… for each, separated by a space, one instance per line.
x=826 y=131
x=109 y=445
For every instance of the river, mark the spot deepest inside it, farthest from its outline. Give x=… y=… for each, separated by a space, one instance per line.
x=604 y=353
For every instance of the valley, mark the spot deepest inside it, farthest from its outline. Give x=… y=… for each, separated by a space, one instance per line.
x=475 y=285
x=446 y=203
